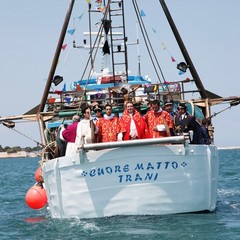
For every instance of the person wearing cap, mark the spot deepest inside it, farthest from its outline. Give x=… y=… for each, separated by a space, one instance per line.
x=185 y=123
x=168 y=106
x=159 y=121
x=132 y=124
x=108 y=126
x=98 y=113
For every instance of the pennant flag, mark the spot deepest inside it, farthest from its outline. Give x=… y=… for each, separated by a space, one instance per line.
x=68 y=100
x=166 y=82
x=80 y=17
x=88 y=1
x=180 y=72
x=172 y=58
x=64 y=88
x=58 y=92
x=163 y=46
x=71 y=31
x=106 y=48
x=142 y=13
x=106 y=25
x=101 y=8
x=155 y=88
x=154 y=30
x=98 y=1
x=64 y=47
x=51 y=100
x=78 y=88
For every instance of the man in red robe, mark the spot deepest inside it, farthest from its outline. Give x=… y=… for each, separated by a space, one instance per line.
x=69 y=135
x=132 y=124
x=159 y=121
x=108 y=126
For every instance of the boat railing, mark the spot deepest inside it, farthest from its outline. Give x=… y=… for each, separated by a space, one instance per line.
x=184 y=139
x=59 y=100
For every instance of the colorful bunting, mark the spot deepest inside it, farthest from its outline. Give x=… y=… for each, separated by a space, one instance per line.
x=106 y=25
x=80 y=17
x=180 y=72
x=68 y=100
x=78 y=88
x=64 y=88
x=173 y=60
x=106 y=48
x=64 y=47
x=101 y=8
x=163 y=46
x=51 y=100
x=58 y=92
x=142 y=13
x=71 y=31
x=88 y=1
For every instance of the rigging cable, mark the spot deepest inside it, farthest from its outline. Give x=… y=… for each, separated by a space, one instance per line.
x=38 y=143
x=232 y=104
x=146 y=39
x=149 y=42
x=91 y=57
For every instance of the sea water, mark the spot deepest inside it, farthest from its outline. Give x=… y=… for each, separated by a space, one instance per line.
x=18 y=221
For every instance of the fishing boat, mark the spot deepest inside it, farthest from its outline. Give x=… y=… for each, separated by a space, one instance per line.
x=153 y=176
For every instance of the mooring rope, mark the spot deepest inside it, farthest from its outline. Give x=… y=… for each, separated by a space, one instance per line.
x=38 y=143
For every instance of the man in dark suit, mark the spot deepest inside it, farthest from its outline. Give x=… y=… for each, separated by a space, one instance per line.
x=185 y=123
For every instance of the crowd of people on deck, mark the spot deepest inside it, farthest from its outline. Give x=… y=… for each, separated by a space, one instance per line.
x=158 y=122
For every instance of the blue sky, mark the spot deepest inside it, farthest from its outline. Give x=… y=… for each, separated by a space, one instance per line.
x=29 y=35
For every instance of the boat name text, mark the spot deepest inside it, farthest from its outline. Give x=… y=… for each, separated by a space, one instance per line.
x=136 y=173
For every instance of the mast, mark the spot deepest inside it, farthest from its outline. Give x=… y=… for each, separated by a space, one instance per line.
x=56 y=57
x=184 y=51
x=52 y=72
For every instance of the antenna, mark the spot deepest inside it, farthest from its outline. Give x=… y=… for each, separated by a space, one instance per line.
x=138 y=50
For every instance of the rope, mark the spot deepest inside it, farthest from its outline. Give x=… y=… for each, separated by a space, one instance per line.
x=215 y=114
x=38 y=143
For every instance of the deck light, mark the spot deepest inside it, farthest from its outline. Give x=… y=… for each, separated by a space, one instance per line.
x=182 y=66
x=57 y=80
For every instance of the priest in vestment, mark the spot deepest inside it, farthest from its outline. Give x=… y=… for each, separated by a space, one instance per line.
x=108 y=126
x=132 y=124
x=159 y=121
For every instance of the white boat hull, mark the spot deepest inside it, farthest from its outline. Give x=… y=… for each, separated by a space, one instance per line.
x=134 y=180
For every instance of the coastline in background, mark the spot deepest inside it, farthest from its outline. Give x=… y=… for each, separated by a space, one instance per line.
x=23 y=154
x=20 y=154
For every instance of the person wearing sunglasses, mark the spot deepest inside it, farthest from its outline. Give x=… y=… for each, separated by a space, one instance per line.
x=86 y=129
x=98 y=113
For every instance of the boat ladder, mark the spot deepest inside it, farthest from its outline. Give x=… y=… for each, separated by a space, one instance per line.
x=118 y=43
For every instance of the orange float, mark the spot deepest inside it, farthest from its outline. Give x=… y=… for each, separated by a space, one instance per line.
x=36 y=197
x=38 y=174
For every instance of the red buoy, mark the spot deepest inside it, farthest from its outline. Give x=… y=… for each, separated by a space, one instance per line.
x=36 y=197
x=38 y=174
